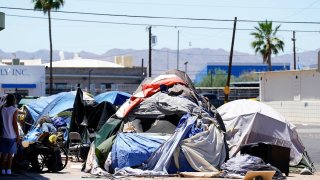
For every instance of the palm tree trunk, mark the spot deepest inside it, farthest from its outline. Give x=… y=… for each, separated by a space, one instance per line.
x=269 y=62
x=50 y=39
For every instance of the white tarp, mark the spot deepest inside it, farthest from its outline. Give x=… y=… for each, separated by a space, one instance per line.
x=249 y=121
x=199 y=149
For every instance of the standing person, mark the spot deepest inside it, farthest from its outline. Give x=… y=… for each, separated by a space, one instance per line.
x=10 y=134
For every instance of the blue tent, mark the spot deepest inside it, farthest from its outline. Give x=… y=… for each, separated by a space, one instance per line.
x=51 y=105
x=114 y=97
x=132 y=149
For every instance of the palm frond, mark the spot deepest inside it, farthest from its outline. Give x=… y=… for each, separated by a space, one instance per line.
x=276 y=30
x=57 y=4
x=257 y=35
x=265 y=41
x=259 y=30
x=47 y=5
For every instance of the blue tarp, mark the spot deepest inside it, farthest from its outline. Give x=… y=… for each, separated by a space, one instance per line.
x=114 y=97
x=51 y=105
x=32 y=135
x=162 y=158
x=132 y=149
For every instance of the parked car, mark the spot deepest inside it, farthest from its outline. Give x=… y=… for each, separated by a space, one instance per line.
x=213 y=99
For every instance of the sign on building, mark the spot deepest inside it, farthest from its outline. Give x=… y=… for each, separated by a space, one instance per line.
x=31 y=79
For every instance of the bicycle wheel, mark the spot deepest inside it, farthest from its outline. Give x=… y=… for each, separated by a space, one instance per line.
x=43 y=157
x=64 y=157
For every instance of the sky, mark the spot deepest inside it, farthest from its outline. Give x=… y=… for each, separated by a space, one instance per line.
x=108 y=32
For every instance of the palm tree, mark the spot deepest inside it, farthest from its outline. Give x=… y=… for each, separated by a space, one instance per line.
x=266 y=43
x=46 y=6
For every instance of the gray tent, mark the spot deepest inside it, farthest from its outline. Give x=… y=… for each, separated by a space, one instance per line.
x=249 y=121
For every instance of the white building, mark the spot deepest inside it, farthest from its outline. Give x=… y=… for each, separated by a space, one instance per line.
x=24 y=80
x=295 y=94
x=31 y=77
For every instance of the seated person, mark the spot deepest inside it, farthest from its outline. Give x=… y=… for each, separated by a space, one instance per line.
x=46 y=126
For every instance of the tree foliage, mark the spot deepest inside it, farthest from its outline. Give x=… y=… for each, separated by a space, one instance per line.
x=218 y=78
x=47 y=5
x=266 y=42
x=248 y=77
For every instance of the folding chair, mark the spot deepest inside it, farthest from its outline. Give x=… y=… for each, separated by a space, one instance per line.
x=75 y=142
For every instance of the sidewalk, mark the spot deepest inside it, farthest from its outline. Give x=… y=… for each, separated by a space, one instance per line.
x=73 y=172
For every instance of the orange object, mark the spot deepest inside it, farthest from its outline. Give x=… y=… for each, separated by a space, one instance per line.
x=150 y=89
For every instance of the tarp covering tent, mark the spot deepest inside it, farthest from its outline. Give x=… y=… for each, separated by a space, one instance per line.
x=114 y=97
x=126 y=143
x=25 y=101
x=52 y=105
x=78 y=112
x=99 y=115
x=92 y=115
x=249 y=121
x=167 y=104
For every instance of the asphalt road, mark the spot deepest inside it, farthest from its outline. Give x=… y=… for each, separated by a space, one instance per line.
x=310 y=136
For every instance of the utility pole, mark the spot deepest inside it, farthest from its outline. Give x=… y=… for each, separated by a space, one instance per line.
x=211 y=78
x=227 y=87
x=178 y=50
x=294 y=50
x=2 y=21
x=142 y=72
x=89 y=80
x=167 y=59
x=150 y=50
x=186 y=66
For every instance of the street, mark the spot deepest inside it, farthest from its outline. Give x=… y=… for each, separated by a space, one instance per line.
x=310 y=136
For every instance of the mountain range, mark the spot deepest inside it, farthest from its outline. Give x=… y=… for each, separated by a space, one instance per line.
x=163 y=59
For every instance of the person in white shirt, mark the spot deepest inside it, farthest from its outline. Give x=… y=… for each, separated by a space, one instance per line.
x=10 y=134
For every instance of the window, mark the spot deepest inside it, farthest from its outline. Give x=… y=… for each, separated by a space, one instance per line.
x=105 y=86
x=61 y=86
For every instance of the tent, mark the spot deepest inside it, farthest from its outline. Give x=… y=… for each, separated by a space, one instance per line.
x=94 y=115
x=166 y=107
x=25 y=101
x=250 y=121
x=114 y=97
x=52 y=105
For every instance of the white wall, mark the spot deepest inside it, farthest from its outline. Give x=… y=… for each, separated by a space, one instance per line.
x=298 y=111
x=23 y=75
x=290 y=86
x=295 y=94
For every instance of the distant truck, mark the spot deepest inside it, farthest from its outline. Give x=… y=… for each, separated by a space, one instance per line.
x=213 y=99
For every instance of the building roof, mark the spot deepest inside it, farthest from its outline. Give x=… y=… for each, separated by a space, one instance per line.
x=84 y=63
x=26 y=62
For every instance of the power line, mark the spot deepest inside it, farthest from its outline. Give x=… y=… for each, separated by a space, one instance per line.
x=199 y=5
x=164 y=17
x=303 y=9
x=156 y=25
x=120 y=15
x=119 y=23
x=223 y=55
